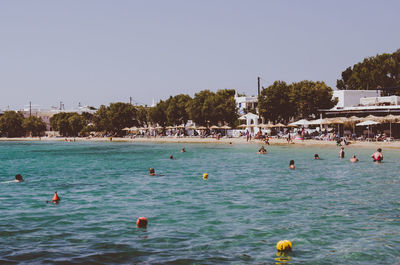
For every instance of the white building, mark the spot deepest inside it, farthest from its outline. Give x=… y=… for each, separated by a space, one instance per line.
x=245 y=102
x=362 y=103
x=351 y=98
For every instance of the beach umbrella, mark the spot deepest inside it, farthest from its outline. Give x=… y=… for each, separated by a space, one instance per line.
x=367 y=123
x=192 y=127
x=170 y=127
x=316 y=122
x=180 y=126
x=372 y=118
x=390 y=118
x=202 y=128
x=226 y=127
x=277 y=125
x=302 y=122
x=214 y=127
x=126 y=129
x=158 y=127
x=242 y=126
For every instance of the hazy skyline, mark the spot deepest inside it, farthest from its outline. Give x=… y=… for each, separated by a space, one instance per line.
x=97 y=52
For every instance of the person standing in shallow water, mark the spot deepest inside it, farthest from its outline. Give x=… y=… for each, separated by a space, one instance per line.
x=341 y=152
x=377 y=156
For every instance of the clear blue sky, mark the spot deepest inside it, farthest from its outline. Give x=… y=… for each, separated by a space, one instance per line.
x=96 y=52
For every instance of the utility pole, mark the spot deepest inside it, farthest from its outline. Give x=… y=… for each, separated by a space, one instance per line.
x=30 y=108
x=258 y=79
x=130 y=100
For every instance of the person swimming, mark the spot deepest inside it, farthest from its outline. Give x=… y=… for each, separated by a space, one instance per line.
x=18 y=178
x=262 y=150
x=291 y=164
x=341 y=152
x=152 y=172
x=377 y=156
x=171 y=157
x=316 y=156
x=354 y=159
x=183 y=150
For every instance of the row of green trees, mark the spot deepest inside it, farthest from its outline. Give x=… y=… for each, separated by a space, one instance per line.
x=205 y=108
x=282 y=102
x=13 y=124
x=382 y=70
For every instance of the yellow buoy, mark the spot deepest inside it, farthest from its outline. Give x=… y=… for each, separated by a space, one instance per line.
x=205 y=176
x=284 y=245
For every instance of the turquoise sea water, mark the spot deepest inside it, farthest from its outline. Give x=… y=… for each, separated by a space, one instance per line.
x=333 y=211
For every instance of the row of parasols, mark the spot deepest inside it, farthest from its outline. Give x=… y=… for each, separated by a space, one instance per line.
x=214 y=127
x=354 y=120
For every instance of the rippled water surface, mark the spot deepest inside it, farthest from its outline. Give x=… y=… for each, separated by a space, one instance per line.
x=333 y=211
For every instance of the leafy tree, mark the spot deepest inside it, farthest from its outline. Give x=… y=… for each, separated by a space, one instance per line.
x=379 y=71
x=11 y=124
x=225 y=109
x=115 y=117
x=275 y=103
x=142 y=115
x=178 y=109
x=76 y=123
x=34 y=125
x=158 y=113
x=308 y=96
x=282 y=102
x=202 y=108
x=68 y=123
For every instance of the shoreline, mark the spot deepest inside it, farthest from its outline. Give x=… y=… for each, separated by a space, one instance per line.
x=281 y=142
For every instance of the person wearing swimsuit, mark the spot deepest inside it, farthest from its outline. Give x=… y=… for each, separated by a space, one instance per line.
x=377 y=156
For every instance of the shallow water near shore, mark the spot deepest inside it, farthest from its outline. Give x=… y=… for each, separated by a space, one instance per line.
x=333 y=211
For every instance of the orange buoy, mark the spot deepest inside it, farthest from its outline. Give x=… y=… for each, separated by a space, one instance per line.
x=141 y=222
x=55 y=197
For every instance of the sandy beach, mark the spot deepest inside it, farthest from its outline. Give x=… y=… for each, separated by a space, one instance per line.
x=305 y=143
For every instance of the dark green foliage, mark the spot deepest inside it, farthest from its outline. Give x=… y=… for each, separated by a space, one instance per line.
x=11 y=124
x=35 y=126
x=379 y=71
x=275 y=103
x=158 y=113
x=208 y=108
x=281 y=102
x=113 y=118
x=178 y=109
x=68 y=123
x=308 y=96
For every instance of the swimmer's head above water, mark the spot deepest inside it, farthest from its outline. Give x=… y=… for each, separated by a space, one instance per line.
x=152 y=172
x=19 y=178
x=316 y=156
x=291 y=164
